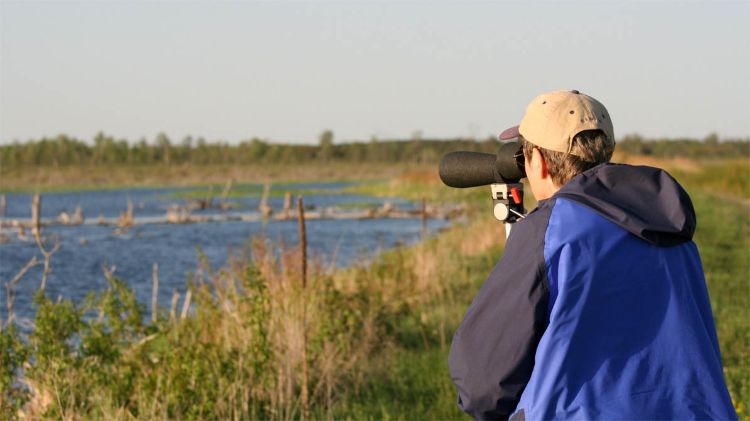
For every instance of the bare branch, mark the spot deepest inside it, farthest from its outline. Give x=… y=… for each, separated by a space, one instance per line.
x=9 y=303
x=36 y=230
x=9 y=287
x=30 y=264
x=155 y=293
x=109 y=271
x=47 y=257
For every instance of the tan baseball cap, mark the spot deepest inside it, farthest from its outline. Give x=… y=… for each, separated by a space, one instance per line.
x=553 y=119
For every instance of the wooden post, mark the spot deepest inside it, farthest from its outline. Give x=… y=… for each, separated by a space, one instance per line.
x=303 y=253
x=36 y=205
x=424 y=219
x=287 y=205
x=155 y=293
x=302 y=239
x=3 y=204
x=264 y=209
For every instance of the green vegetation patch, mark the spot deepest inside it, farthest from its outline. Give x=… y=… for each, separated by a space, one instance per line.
x=723 y=237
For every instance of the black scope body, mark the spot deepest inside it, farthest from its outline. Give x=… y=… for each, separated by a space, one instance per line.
x=470 y=169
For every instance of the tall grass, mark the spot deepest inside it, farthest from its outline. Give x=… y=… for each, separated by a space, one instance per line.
x=377 y=334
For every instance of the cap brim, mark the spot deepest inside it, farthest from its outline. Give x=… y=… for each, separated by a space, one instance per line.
x=508 y=134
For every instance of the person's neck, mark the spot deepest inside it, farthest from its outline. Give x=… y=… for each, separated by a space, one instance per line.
x=547 y=189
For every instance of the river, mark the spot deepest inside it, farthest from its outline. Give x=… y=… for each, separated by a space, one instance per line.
x=86 y=249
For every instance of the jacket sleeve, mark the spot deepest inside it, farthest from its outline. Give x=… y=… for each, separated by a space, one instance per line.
x=492 y=354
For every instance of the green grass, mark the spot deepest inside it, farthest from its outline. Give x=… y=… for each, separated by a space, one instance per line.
x=410 y=380
x=413 y=381
x=411 y=299
x=723 y=237
x=407 y=385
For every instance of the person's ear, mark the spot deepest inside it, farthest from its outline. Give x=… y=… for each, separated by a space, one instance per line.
x=544 y=173
x=538 y=164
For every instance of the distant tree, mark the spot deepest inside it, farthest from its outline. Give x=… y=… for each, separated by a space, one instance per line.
x=374 y=150
x=64 y=150
x=711 y=139
x=325 y=145
x=258 y=149
x=200 y=154
x=164 y=145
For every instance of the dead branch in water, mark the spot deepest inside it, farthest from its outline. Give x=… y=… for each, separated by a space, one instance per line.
x=223 y=203
x=36 y=229
x=424 y=218
x=263 y=207
x=12 y=283
x=126 y=218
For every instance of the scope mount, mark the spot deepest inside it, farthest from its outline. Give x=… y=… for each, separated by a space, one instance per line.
x=507 y=202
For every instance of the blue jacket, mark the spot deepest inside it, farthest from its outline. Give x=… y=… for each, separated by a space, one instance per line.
x=597 y=309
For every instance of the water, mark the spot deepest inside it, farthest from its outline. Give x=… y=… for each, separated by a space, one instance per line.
x=86 y=249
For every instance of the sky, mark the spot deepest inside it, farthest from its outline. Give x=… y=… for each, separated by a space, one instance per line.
x=286 y=71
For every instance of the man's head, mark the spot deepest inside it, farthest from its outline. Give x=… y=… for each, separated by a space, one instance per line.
x=563 y=134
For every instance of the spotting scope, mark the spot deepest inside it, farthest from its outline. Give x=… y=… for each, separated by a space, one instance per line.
x=470 y=169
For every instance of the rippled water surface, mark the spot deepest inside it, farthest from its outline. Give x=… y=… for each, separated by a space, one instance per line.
x=85 y=249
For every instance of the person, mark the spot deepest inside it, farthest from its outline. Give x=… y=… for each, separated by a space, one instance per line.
x=598 y=307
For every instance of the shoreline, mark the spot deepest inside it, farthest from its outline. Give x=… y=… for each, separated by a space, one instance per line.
x=100 y=177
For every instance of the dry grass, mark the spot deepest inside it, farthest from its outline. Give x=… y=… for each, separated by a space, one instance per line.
x=100 y=176
x=678 y=163
x=239 y=354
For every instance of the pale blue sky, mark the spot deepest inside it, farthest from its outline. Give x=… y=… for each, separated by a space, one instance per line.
x=285 y=71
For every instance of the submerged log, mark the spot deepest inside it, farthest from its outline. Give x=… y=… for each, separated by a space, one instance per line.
x=64 y=218
x=182 y=214
x=177 y=214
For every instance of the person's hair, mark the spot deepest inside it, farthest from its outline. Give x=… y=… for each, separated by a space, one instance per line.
x=590 y=146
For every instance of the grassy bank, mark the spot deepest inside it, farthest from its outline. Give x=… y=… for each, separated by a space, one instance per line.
x=96 y=177
x=374 y=338
x=415 y=382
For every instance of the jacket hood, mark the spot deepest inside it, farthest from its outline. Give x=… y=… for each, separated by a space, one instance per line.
x=645 y=201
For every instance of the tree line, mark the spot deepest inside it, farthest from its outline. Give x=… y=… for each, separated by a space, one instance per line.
x=64 y=150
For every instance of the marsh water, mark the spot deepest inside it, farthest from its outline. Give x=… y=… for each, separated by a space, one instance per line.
x=85 y=249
